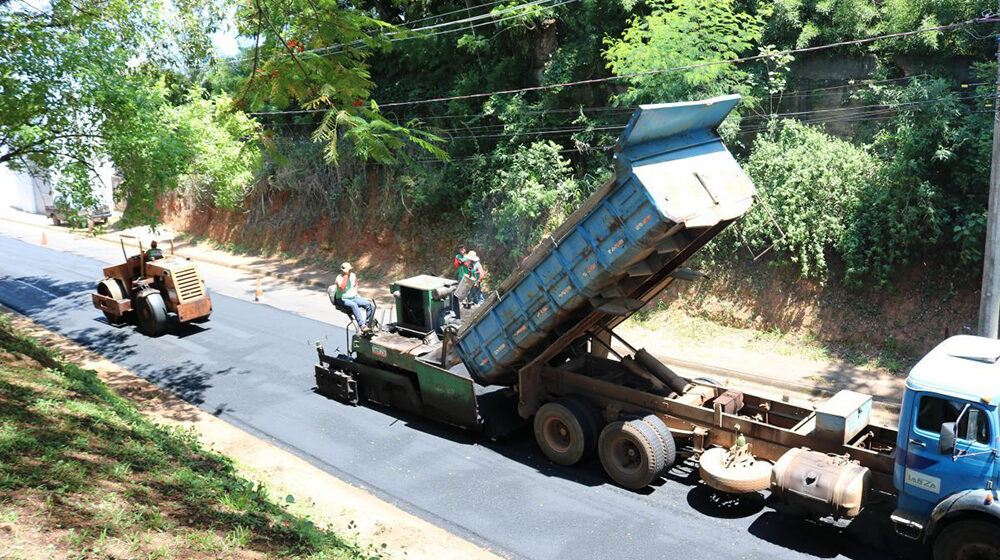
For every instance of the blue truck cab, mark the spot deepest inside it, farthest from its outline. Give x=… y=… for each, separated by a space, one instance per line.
x=946 y=463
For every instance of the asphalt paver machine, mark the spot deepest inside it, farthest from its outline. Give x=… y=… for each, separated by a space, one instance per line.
x=147 y=291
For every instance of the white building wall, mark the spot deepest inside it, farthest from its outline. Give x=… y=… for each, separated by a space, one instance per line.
x=29 y=193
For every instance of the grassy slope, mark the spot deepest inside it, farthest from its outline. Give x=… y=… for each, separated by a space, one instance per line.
x=84 y=475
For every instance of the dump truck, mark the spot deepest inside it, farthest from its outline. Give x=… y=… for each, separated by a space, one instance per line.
x=148 y=291
x=542 y=352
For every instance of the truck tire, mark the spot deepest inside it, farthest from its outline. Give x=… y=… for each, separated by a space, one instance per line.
x=740 y=479
x=968 y=539
x=152 y=314
x=112 y=288
x=590 y=413
x=564 y=432
x=666 y=439
x=631 y=453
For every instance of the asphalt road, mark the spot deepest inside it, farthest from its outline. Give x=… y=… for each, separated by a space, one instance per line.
x=252 y=365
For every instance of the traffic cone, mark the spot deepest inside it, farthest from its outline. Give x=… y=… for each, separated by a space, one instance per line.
x=44 y=241
x=259 y=292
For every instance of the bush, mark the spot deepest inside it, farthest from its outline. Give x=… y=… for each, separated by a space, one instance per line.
x=533 y=190
x=814 y=183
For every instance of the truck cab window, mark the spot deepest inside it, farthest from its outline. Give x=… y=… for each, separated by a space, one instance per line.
x=933 y=411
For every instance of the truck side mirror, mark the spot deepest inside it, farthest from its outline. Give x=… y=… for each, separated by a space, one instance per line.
x=946 y=443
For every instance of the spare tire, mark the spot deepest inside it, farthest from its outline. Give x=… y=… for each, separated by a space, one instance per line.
x=741 y=478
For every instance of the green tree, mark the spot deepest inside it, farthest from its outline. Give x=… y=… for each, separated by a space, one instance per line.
x=312 y=54
x=81 y=84
x=531 y=191
x=683 y=33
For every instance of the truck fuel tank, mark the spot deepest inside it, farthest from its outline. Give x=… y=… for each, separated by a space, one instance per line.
x=819 y=484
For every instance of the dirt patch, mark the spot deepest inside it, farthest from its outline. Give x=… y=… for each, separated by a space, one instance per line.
x=332 y=503
x=379 y=245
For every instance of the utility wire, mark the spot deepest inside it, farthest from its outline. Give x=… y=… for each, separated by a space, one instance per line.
x=460 y=10
x=460 y=22
x=866 y=40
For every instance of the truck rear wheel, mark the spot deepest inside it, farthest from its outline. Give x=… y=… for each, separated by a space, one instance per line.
x=631 y=453
x=152 y=314
x=564 y=431
x=741 y=478
x=971 y=539
x=666 y=439
x=112 y=288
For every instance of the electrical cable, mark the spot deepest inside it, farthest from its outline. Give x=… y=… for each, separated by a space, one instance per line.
x=866 y=40
x=461 y=22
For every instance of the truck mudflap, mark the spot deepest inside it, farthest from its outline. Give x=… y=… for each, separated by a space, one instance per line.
x=111 y=305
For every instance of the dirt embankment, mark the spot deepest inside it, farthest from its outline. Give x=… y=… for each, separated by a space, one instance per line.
x=905 y=321
x=383 y=244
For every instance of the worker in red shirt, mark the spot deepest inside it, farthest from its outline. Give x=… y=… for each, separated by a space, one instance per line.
x=477 y=272
x=345 y=297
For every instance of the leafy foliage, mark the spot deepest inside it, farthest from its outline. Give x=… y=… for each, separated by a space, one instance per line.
x=312 y=53
x=534 y=188
x=814 y=183
x=683 y=34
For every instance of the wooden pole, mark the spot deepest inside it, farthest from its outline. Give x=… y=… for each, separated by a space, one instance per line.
x=989 y=302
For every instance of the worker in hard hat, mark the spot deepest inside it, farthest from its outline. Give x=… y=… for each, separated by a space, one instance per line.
x=477 y=272
x=345 y=297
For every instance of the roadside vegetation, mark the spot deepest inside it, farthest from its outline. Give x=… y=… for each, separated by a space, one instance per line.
x=84 y=475
x=347 y=130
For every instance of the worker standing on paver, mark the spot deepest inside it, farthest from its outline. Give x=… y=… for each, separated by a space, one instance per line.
x=346 y=298
x=477 y=272
x=460 y=263
x=154 y=252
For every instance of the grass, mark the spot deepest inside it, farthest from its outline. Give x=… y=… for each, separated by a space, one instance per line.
x=673 y=326
x=84 y=475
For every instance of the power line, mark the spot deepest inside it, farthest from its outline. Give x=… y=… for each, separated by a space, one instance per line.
x=764 y=56
x=460 y=10
x=702 y=64
x=489 y=15
x=462 y=28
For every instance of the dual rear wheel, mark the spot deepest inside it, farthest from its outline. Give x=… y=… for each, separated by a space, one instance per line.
x=632 y=452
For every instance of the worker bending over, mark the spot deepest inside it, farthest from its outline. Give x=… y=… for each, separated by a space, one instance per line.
x=477 y=272
x=346 y=298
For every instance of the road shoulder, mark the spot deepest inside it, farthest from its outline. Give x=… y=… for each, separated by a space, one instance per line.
x=341 y=507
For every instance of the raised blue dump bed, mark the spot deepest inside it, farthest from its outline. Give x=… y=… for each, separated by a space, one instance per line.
x=672 y=173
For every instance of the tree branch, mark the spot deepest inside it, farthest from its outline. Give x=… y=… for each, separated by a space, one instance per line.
x=291 y=53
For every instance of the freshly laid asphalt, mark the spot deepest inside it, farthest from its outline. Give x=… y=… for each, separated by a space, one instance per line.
x=252 y=365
